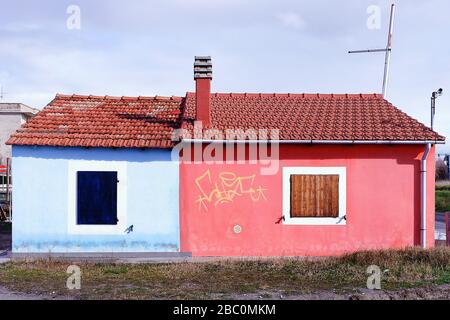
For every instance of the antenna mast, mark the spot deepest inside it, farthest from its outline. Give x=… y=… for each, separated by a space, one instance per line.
x=2 y=93
x=387 y=50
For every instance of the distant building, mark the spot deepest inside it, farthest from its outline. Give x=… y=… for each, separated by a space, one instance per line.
x=12 y=116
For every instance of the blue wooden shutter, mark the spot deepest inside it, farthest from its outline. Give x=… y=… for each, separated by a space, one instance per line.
x=97 y=198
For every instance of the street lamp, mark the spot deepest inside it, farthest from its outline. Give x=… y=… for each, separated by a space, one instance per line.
x=434 y=96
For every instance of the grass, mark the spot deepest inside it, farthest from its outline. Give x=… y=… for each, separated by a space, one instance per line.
x=443 y=198
x=232 y=278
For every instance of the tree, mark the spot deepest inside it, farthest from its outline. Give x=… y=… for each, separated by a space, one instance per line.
x=441 y=170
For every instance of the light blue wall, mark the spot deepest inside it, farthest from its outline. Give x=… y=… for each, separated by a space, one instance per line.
x=40 y=208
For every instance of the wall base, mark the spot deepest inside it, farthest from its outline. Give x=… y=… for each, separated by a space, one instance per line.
x=104 y=256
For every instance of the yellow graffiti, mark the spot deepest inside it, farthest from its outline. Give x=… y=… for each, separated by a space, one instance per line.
x=226 y=188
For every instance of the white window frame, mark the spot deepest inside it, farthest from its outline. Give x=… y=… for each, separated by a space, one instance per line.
x=316 y=221
x=85 y=165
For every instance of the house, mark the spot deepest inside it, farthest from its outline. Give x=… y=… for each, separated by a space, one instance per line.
x=12 y=116
x=222 y=174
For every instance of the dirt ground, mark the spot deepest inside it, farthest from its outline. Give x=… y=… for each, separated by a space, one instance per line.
x=6 y=294
x=431 y=293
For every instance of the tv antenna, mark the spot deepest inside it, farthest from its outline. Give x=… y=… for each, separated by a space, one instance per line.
x=387 y=50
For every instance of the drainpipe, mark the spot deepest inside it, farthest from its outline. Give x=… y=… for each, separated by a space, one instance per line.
x=424 y=196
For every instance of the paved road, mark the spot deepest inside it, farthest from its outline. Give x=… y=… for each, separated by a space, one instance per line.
x=439 y=229
x=440 y=217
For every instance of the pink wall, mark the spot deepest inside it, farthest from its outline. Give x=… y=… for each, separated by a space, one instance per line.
x=383 y=204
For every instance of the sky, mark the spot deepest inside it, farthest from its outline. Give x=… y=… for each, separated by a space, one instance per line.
x=145 y=48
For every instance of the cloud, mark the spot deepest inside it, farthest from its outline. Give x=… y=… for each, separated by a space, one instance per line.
x=292 y=20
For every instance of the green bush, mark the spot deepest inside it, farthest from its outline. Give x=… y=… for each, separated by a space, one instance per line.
x=443 y=199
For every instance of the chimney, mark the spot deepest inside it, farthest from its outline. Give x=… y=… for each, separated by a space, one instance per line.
x=203 y=77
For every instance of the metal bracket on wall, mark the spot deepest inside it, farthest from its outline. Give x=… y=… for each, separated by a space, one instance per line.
x=129 y=229
x=282 y=218
x=343 y=218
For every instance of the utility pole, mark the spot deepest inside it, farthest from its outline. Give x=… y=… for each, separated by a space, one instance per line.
x=387 y=50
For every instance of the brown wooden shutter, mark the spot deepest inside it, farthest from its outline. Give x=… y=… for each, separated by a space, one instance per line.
x=314 y=196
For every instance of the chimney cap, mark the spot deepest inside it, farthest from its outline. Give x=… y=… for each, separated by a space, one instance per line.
x=202 y=57
x=202 y=67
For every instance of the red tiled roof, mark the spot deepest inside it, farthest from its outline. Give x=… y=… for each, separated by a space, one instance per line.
x=148 y=122
x=349 y=117
x=93 y=121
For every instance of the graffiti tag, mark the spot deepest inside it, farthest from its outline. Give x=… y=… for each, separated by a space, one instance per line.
x=226 y=188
